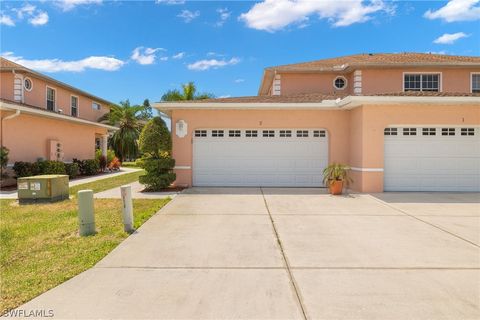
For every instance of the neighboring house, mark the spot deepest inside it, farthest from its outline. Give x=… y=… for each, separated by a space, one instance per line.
x=403 y=122
x=42 y=118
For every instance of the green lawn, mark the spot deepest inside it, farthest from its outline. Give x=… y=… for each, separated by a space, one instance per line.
x=41 y=248
x=108 y=183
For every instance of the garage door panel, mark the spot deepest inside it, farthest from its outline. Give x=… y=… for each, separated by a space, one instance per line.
x=260 y=161
x=432 y=163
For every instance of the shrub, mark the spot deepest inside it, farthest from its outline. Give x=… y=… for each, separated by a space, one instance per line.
x=110 y=155
x=87 y=167
x=102 y=163
x=155 y=138
x=51 y=167
x=4 y=156
x=71 y=169
x=114 y=164
x=159 y=173
x=26 y=169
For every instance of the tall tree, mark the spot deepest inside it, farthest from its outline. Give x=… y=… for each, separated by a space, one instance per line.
x=189 y=92
x=127 y=118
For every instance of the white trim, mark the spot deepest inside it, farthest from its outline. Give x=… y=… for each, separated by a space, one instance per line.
x=78 y=105
x=182 y=167
x=471 y=80
x=46 y=98
x=344 y=79
x=366 y=169
x=31 y=82
x=440 y=80
x=49 y=114
x=430 y=125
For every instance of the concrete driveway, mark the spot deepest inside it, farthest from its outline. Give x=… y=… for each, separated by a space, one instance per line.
x=288 y=254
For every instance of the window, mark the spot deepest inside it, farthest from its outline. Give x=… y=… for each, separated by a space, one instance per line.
x=340 y=83
x=467 y=131
x=74 y=106
x=268 y=133
x=302 y=133
x=429 y=131
x=409 y=131
x=475 y=82
x=448 y=131
x=27 y=84
x=421 y=82
x=251 y=133
x=217 y=133
x=50 y=99
x=200 y=133
x=319 y=133
x=234 y=133
x=390 y=132
x=285 y=133
x=96 y=106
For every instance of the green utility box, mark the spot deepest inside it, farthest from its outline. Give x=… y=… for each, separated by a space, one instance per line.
x=45 y=188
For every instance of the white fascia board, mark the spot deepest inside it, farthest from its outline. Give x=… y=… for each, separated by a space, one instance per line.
x=47 y=114
x=356 y=101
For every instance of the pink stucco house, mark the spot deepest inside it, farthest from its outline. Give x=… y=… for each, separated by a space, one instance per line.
x=403 y=122
x=45 y=118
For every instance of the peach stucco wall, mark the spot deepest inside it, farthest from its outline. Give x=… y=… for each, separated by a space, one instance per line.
x=355 y=136
x=27 y=137
x=374 y=81
x=37 y=97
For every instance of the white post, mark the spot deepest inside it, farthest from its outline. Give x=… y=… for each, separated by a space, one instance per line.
x=104 y=144
x=86 y=216
x=127 y=213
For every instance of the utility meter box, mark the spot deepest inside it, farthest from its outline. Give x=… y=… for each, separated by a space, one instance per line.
x=44 y=188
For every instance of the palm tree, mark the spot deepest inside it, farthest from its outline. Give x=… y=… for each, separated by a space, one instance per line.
x=188 y=93
x=127 y=118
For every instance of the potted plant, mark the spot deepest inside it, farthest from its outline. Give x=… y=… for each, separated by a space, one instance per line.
x=335 y=176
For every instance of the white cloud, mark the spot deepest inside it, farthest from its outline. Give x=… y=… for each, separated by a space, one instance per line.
x=57 y=65
x=163 y=58
x=26 y=9
x=203 y=65
x=456 y=10
x=188 y=15
x=273 y=15
x=225 y=96
x=171 y=2
x=6 y=20
x=39 y=19
x=224 y=15
x=239 y=80
x=179 y=55
x=144 y=55
x=450 y=38
x=67 y=5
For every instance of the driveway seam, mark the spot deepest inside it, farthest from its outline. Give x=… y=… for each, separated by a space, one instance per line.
x=290 y=274
x=426 y=222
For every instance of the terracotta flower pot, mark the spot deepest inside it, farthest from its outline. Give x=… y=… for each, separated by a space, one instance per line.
x=336 y=187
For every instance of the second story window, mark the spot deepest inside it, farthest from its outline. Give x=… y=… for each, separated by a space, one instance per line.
x=27 y=83
x=74 y=106
x=340 y=83
x=51 y=96
x=475 y=82
x=96 y=106
x=421 y=82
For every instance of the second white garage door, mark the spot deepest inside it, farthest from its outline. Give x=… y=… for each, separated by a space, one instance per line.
x=259 y=157
x=432 y=159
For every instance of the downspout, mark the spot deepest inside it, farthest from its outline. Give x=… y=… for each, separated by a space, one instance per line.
x=16 y=114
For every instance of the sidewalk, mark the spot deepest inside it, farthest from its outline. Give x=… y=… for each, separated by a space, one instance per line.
x=13 y=193
x=137 y=187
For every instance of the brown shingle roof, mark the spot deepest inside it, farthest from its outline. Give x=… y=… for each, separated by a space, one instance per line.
x=381 y=59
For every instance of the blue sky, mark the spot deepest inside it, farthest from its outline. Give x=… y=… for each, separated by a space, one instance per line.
x=136 y=50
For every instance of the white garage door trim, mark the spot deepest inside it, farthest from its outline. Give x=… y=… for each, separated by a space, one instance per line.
x=432 y=158
x=287 y=157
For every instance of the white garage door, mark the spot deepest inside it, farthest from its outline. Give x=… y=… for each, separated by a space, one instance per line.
x=258 y=157
x=432 y=159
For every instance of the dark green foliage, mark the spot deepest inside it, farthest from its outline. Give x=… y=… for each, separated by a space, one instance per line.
x=71 y=169
x=189 y=92
x=51 y=167
x=155 y=138
x=88 y=167
x=26 y=169
x=159 y=173
x=4 y=156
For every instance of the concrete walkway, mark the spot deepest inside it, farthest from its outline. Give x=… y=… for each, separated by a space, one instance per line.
x=287 y=254
x=13 y=194
x=137 y=193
